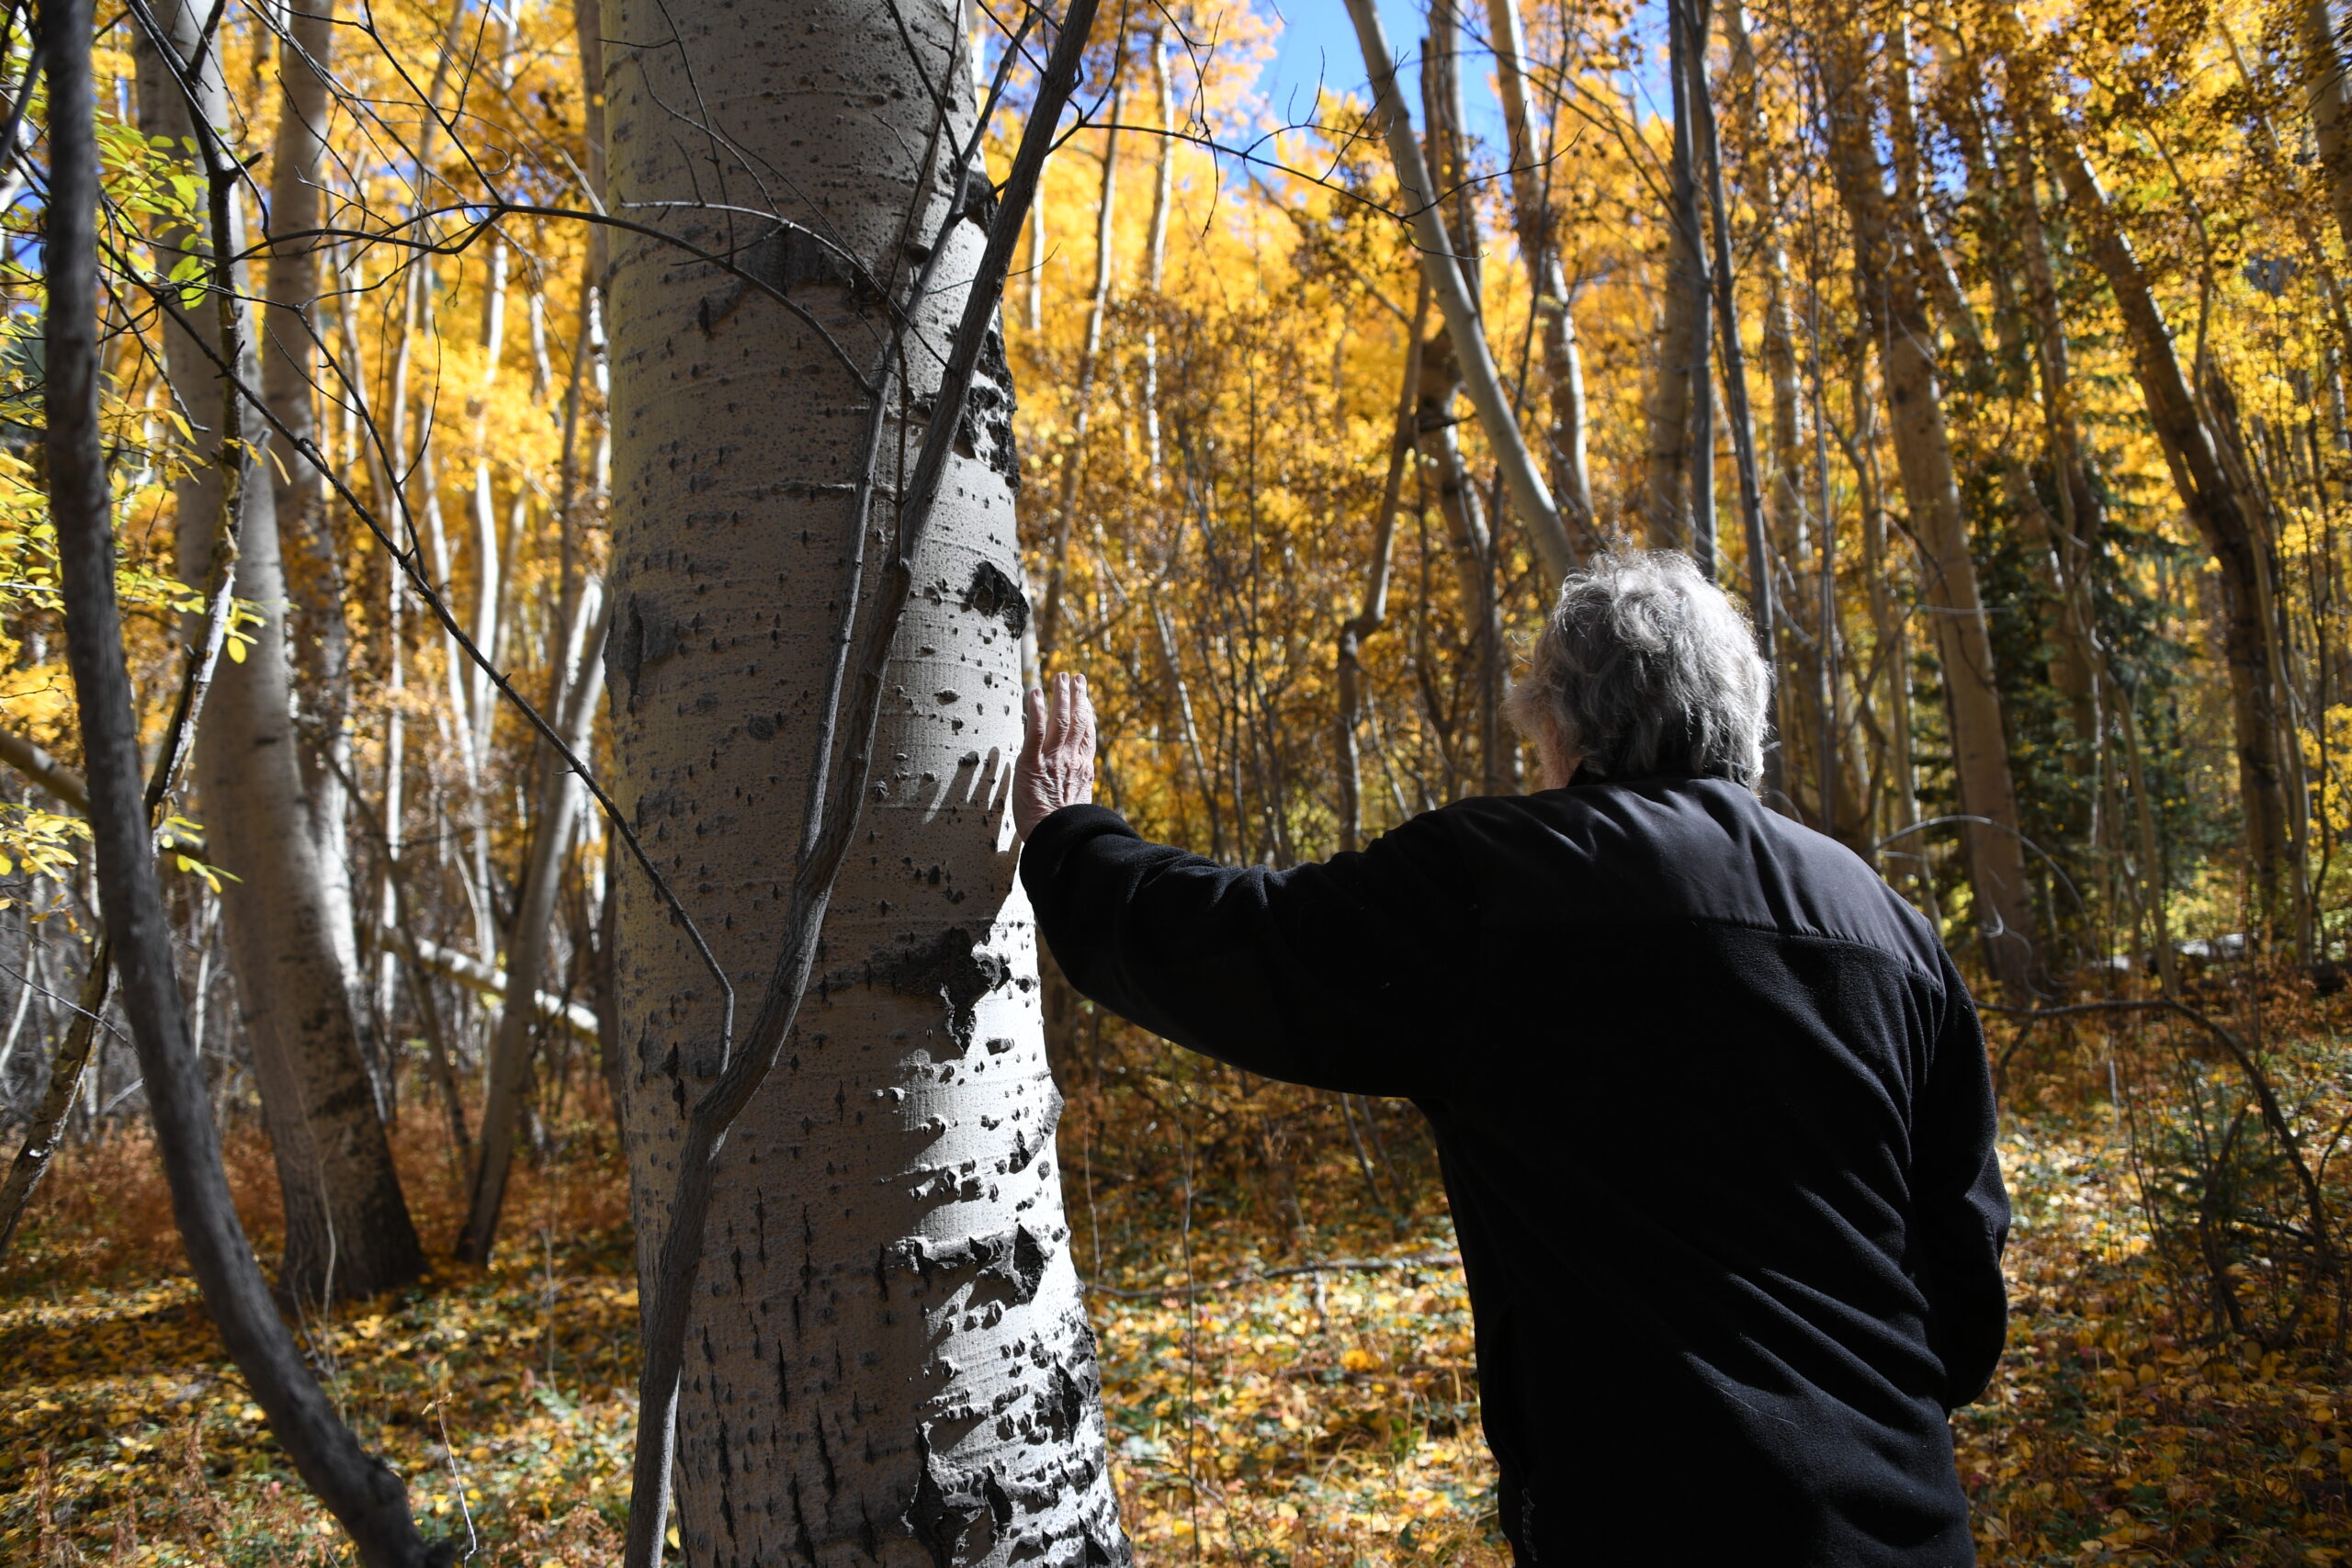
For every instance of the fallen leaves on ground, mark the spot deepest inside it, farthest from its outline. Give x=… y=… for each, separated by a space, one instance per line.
x=1306 y=1420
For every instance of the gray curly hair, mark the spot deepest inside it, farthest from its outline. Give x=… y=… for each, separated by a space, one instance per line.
x=1645 y=668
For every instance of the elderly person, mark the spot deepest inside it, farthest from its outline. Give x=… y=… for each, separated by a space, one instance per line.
x=1711 y=1101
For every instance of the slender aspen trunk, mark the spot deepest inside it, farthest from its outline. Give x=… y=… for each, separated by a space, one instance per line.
x=1761 y=609
x=1530 y=496
x=527 y=941
x=347 y=1227
x=1891 y=628
x=1155 y=251
x=1539 y=248
x=2331 y=98
x=2077 y=667
x=289 y=366
x=1784 y=484
x=2081 y=520
x=887 y=1356
x=1366 y=622
x=1090 y=353
x=1896 y=317
x=1467 y=535
x=1687 y=48
x=1471 y=532
x=2219 y=513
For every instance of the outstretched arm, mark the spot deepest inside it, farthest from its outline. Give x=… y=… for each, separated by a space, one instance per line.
x=1354 y=975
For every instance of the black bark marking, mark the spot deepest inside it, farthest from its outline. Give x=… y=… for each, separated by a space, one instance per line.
x=868 y=1537
x=1015 y=1258
x=1064 y=1405
x=937 y=1516
x=1022 y=1265
x=800 y=1540
x=825 y=1458
x=649 y=634
x=991 y=404
x=952 y=967
x=993 y=593
x=980 y=200
x=786 y=258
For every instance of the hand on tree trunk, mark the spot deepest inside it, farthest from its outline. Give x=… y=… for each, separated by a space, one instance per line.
x=1057 y=765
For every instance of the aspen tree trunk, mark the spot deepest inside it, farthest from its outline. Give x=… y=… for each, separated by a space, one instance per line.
x=1687 y=33
x=1469 y=537
x=2330 y=107
x=1539 y=247
x=1680 y=379
x=887 y=1360
x=1090 y=353
x=1666 y=523
x=1891 y=629
x=1530 y=496
x=2076 y=670
x=2219 y=513
x=1896 y=317
x=1783 y=497
x=2081 y=518
x=290 y=367
x=347 y=1227
x=1368 y=621
x=1469 y=530
x=1155 y=250
x=527 y=941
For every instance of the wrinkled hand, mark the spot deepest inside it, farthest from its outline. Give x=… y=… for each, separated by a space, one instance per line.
x=1056 y=767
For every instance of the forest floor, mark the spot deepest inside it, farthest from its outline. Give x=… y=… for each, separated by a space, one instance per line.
x=1310 y=1418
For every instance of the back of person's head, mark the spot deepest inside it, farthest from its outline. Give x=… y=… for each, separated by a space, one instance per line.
x=1645 y=668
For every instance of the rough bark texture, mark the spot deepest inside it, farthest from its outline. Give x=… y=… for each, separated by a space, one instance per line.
x=888 y=1361
x=347 y=1227
x=2223 y=521
x=1896 y=317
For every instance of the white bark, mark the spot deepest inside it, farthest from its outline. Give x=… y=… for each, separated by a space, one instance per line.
x=888 y=1360
x=347 y=1227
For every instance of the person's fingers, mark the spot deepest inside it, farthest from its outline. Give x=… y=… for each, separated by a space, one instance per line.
x=1033 y=728
x=1084 y=740
x=1063 y=715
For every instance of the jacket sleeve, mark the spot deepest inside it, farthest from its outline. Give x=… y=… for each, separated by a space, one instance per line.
x=1354 y=974
x=1960 y=1209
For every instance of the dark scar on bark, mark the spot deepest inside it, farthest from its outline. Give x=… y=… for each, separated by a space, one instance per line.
x=951 y=966
x=648 y=634
x=993 y=593
x=937 y=1516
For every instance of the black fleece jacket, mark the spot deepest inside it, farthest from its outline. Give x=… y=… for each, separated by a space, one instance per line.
x=1714 y=1118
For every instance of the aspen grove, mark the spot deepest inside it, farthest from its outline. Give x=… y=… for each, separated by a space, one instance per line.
x=524 y=533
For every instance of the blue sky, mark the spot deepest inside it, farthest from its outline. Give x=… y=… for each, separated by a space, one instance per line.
x=1319 y=42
